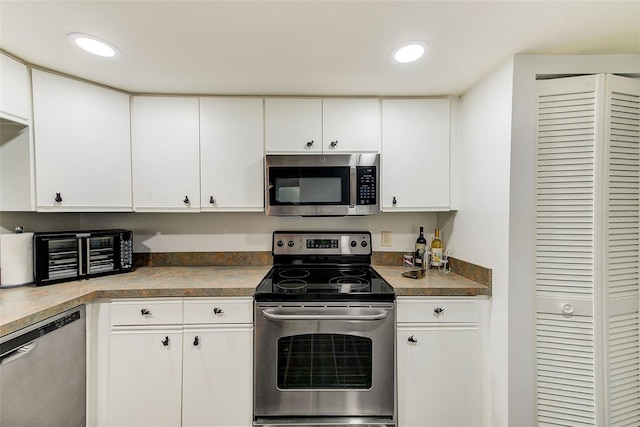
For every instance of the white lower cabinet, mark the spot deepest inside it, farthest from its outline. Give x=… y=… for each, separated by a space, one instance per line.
x=439 y=364
x=176 y=362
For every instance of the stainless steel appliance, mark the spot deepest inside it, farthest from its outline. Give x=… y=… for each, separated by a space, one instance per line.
x=42 y=373
x=319 y=185
x=73 y=255
x=324 y=334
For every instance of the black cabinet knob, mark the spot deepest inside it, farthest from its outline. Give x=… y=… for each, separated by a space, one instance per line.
x=394 y=201
x=217 y=311
x=438 y=310
x=310 y=144
x=334 y=143
x=58 y=198
x=165 y=342
x=186 y=200
x=145 y=312
x=196 y=341
x=411 y=339
x=212 y=200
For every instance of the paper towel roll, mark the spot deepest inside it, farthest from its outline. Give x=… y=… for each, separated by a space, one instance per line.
x=16 y=259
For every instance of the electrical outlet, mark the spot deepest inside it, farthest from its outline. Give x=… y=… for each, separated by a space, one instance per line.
x=385 y=239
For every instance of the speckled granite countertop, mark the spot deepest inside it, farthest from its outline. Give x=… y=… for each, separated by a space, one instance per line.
x=22 y=306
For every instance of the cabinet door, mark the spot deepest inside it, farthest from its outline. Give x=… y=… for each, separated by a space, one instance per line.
x=82 y=145
x=231 y=154
x=350 y=125
x=415 y=155
x=166 y=158
x=14 y=90
x=145 y=377
x=439 y=375
x=218 y=376
x=293 y=125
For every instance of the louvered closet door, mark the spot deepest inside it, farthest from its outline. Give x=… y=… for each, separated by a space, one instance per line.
x=565 y=251
x=587 y=252
x=622 y=251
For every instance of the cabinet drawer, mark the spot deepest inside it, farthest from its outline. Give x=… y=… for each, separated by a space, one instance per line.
x=146 y=311
x=218 y=310
x=438 y=310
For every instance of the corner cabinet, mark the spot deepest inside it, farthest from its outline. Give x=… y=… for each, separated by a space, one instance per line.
x=231 y=154
x=166 y=154
x=175 y=362
x=15 y=94
x=415 y=155
x=439 y=362
x=82 y=145
x=322 y=126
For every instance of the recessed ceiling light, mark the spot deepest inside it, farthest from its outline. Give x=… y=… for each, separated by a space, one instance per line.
x=409 y=52
x=93 y=45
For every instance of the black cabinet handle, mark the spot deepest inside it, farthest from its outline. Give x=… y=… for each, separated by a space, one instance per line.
x=196 y=341
x=411 y=339
x=334 y=143
x=212 y=200
x=145 y=312
x=165 y=342
x=186 y=200
x=217 y=311
x=438 y=310
x=58 y=198
x=310 y=144
x=394 y=201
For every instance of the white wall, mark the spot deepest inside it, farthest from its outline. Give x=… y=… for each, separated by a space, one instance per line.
x=479 y=231
x=213 y=232
x=522 y=212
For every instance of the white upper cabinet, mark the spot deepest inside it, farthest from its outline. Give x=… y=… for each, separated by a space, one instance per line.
x=82 y=145
x=293 y=125
x=350 y=125
x=415 y=155
x=14 y=90
x=231 y=154
x=166 y=158
x=313 y=125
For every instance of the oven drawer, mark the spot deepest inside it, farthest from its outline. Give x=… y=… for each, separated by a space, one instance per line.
x=218 y=310
x=146 y=311
x=438 y=310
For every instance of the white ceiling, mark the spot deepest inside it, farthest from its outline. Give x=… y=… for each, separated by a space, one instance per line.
x=308 y=47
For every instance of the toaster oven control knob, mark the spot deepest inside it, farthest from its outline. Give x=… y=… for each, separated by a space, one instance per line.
x=290 y=243
x=279 y=243
x=363 y=243
x=353 y=244
x=58 y=198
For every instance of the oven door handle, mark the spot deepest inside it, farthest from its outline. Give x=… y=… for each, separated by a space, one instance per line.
x=296 y=315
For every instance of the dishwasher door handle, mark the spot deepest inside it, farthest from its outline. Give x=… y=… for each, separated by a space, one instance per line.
x=298 y=315
x=18 y=352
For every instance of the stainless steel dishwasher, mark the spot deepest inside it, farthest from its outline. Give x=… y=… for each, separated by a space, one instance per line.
x=42 y=373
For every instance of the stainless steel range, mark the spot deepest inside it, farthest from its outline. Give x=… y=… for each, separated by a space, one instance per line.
x=324 y=334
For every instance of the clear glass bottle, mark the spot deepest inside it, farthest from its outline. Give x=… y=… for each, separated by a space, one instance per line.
x=436 y=250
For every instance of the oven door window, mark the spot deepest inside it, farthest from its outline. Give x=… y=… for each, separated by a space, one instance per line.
x=324 y=361
x=309 y=186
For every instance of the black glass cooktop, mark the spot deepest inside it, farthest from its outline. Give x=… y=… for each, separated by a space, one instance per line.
x=313 y=283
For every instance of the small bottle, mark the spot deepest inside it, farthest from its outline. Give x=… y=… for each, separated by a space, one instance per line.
x=436 y=250
x=421 y=244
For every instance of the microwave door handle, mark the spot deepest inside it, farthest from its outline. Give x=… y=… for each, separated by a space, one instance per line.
x=353 y=176
x=88 y=262
x=376 y=315
x=80 y=258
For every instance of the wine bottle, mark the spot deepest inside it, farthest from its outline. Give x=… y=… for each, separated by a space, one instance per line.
x=436 y=250
x=421 y=244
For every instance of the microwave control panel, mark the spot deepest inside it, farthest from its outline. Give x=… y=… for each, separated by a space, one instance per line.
x=367 y=185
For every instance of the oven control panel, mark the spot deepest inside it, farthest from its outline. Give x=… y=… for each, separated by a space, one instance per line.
x=327 y=243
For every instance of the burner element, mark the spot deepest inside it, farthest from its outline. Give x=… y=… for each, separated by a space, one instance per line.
x=291 y=285
x=294 y=273
x=349 y=284
x=354 y=272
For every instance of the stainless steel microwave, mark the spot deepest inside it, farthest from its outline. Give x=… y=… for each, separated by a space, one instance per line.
x=322 y=185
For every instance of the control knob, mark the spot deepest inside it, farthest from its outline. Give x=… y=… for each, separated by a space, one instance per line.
x=280 y=243
x=353 y=244
x=290 y=243
x=363 y=243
